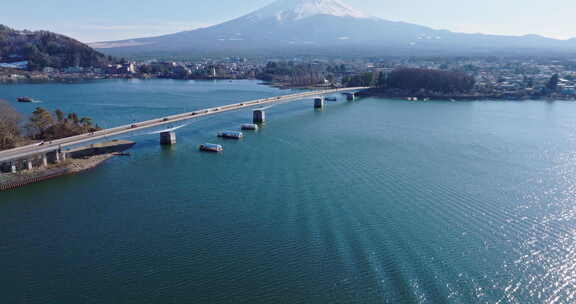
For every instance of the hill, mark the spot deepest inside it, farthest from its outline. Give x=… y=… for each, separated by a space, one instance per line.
x=40 y=49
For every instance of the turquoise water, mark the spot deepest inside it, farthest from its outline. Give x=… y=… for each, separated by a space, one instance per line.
x=374 y=201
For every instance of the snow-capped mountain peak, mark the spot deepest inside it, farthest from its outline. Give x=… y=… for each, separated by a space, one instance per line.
x=291 y=10
x=330 y=27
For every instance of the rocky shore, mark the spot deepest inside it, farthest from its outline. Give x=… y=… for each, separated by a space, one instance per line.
x=79 y=160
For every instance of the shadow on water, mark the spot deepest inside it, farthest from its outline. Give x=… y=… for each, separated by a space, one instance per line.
x=382 y=201
x=168 y=150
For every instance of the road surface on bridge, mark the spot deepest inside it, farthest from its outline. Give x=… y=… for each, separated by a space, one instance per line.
x=22 y=152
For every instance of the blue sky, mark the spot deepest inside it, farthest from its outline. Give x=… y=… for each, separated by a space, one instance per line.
x=102 y=20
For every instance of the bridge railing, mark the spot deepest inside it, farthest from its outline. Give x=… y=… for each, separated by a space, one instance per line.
x=77 y=139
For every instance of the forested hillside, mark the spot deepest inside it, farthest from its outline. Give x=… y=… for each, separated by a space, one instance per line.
x=45 y=49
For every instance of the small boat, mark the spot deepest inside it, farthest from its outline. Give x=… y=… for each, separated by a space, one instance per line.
x=25 y=99
x=331 y=99
x=231 y=134
x=211 y=148
x=250 y=127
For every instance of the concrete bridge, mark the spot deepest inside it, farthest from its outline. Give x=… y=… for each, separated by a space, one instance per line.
x=51 y=152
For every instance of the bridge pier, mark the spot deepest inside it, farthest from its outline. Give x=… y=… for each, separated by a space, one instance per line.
x=29 y=164
x=319 y=103
x=44 y=155
x=350 y=96
x=259 y=116
x=168 y=138
x=52 y=157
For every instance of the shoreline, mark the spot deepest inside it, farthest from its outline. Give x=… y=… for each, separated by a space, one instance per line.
x=82 y=159
x=39 y=78
x=287 y=86
x=40 y=175
x=377 y=93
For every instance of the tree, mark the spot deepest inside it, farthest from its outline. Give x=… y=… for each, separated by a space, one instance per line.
x=552 y=84
x=60 y=116
x=42 y=49
x=435 y=81
x=86 y=122
x=362 y=80
x=9 y=126
x=39 y=123
x=73 y=117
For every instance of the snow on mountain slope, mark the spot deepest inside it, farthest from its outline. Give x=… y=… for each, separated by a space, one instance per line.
x=291 y=10
x=330 y=27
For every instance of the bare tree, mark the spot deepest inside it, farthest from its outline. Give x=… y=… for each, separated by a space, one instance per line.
x=10 y=121
x=41 y=125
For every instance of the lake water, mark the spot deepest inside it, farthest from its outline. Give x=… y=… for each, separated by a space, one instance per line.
x=372 y=201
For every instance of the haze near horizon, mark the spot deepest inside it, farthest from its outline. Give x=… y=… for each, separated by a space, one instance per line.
x=108 y=20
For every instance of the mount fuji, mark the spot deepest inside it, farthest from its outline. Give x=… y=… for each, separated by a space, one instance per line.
x=329 y=27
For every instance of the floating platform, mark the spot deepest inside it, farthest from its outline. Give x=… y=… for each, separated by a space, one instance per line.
x=24 y=99
x=231 y=135
x=211 y=148
x=250 y=127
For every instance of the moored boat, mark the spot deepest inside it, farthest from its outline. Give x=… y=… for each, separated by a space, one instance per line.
x=231 y=134
x=211 y=148
x=250 y=127
x=25 y=99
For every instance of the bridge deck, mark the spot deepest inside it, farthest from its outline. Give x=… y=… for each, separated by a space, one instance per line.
x=29 y=150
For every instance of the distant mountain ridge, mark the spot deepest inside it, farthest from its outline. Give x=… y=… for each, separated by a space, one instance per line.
x=315 y=27
x=42 y=49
